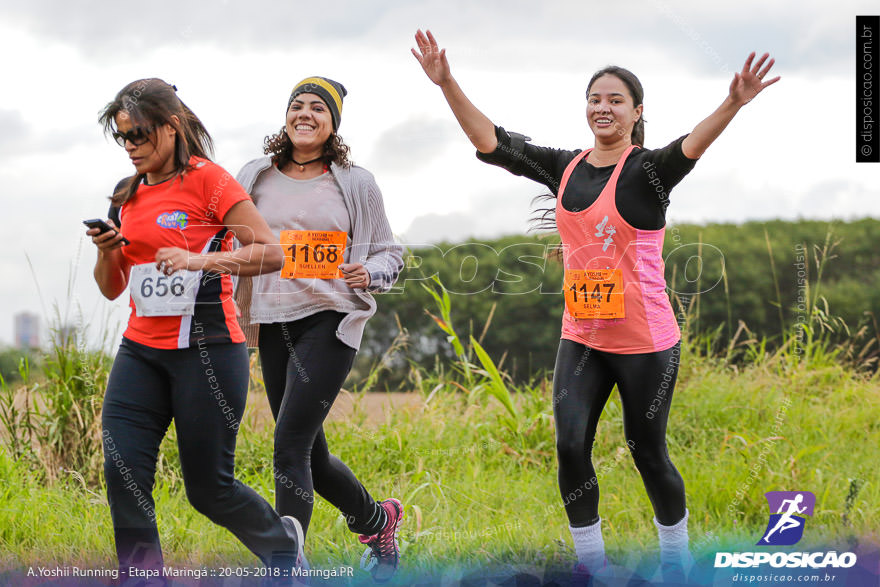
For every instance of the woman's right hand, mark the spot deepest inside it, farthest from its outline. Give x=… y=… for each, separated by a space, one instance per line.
x=432 y=58
x=111 y=268
x=107 y=241
x=476 y=125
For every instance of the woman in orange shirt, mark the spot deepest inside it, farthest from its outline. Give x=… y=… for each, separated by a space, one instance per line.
x=183 y=355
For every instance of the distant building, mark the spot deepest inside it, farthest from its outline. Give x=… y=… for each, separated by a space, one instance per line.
x=27 y=330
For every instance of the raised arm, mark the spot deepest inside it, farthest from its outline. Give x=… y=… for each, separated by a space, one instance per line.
x=745 y=86
x=476 y=125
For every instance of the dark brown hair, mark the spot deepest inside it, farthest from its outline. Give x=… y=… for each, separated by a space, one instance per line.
x=635 y=91
x=281 y=149
x=152 y=102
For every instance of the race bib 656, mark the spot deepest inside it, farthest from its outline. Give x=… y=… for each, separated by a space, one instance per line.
x=157 y=294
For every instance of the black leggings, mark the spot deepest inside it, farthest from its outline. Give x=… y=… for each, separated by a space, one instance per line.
x=582 y=381
x=304 y=367
x=203 y=389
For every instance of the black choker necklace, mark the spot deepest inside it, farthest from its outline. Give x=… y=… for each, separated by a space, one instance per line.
x=302 y=166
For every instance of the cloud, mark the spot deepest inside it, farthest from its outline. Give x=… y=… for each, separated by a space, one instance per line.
x=432 y=228
x=114 y=31
x=724 y=198
x=503 y=34
x=412 y=144
x=507 y=212
x=20 y=139
x=13 y=131
x=492 y=215
x=840 y=199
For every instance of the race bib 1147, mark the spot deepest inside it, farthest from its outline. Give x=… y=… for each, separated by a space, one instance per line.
x=594 y=293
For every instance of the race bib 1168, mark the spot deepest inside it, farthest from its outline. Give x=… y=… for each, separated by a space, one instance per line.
x=312 y=253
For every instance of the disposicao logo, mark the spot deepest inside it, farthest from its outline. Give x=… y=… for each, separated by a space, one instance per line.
x=786 y=525
x=176 y=219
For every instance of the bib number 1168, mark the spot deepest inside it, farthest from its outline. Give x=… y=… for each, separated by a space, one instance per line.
x=312 y=253
x=319 y=254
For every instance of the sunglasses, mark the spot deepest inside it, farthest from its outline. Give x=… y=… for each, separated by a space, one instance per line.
x=138 y=136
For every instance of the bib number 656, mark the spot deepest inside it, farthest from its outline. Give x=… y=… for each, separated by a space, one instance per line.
x=157 y=294
x=162 y=286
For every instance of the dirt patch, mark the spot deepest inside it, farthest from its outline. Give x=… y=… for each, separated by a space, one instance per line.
x=375 y=406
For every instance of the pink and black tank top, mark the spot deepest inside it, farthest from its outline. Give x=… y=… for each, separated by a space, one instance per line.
x=615 y=289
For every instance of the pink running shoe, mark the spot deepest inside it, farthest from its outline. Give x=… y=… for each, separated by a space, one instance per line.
x=383 y=547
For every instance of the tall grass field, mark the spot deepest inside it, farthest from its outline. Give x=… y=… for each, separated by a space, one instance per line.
x=472 y=458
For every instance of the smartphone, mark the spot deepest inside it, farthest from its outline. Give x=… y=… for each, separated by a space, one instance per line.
x=104 y=227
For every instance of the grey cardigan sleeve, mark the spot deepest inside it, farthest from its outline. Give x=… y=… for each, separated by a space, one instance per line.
x=385 y=257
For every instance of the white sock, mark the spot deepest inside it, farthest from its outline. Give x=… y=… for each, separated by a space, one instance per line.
x=674 y=543
x=589 y=546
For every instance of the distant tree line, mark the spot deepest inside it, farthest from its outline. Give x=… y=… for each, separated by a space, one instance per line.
x=10 y=361
x=765 y=274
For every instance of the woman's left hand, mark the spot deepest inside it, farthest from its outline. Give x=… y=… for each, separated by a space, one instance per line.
x=750 y=81
x=745 y=86
x=171 y=259
x=355 y=275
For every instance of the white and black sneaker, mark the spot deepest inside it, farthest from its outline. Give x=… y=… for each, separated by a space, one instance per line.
x=301 y=561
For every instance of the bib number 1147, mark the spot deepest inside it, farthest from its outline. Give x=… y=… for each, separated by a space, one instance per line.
x=594 y=293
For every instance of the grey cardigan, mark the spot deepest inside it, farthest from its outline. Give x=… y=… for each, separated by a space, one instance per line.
x=372 y=244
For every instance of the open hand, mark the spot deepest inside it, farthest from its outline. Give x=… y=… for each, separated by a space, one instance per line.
x=750 y=81
x=432 y=58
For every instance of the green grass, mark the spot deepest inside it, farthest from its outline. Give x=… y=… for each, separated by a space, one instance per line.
x=478 y=492
x=474 y=463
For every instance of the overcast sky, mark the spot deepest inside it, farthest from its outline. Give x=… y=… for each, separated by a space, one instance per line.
x=789 y=154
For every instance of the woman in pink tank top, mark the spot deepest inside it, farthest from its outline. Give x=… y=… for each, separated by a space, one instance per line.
x=618 y=327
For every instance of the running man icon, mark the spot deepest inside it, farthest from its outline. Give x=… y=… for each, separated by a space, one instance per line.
x=787 y=524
